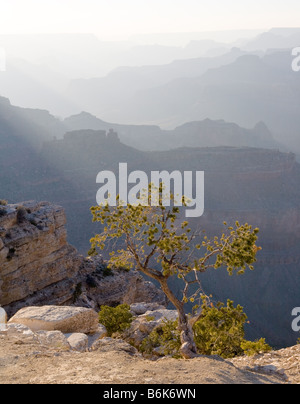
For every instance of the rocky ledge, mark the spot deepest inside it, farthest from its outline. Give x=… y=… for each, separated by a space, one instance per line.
x=78 y=328
x=67 y=345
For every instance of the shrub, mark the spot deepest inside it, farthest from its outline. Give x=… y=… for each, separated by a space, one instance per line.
x=256 y=347
x=166 y=337
x=3 y=202
x=115 y=319
x=220 y=331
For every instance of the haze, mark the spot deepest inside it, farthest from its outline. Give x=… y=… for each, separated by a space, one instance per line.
x=161 y=85
x=111 y=19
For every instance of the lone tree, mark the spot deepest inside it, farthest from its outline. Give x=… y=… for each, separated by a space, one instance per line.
x=153 y=240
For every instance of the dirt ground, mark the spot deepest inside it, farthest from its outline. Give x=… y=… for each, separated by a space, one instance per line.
x=115 y=363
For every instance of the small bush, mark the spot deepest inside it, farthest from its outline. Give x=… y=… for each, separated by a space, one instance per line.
x=256 y=347
x=3 y=202
x=166 y=337
x=115 y=319
x=220 y=331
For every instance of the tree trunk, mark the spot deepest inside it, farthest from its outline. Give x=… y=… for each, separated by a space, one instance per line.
x=188 y=347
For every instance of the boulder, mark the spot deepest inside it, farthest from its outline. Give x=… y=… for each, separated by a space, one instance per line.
x=138 y=309
x=78 y=341
x=53 y=340
x=19 y=332
x=52 y=318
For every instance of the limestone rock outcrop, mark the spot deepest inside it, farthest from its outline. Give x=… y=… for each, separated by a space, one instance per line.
x=36 y=261
x=38 y=267
x=53 y=318
x=106 y=287
x=60 y=329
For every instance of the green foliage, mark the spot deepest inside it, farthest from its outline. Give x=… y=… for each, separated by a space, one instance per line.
x=166 y=337
x=3 y=202
x=115 y=319
x=153 y=236
x=220 y=331
x=92 y=252
x=256 y=347
x=153 y=239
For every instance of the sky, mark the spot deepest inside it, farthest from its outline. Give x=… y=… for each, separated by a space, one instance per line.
x=122 y=18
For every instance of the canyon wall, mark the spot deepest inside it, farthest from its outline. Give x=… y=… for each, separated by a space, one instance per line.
x=39 y=267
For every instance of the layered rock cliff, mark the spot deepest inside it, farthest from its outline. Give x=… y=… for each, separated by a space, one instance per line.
x=39 y=267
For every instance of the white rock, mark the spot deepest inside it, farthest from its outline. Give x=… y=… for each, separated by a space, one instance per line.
x=53 y=339
x=78 y=341
x=21 y=332
x=269 y=368
x=100 y=334
x=58 y=318
x=141 y=308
